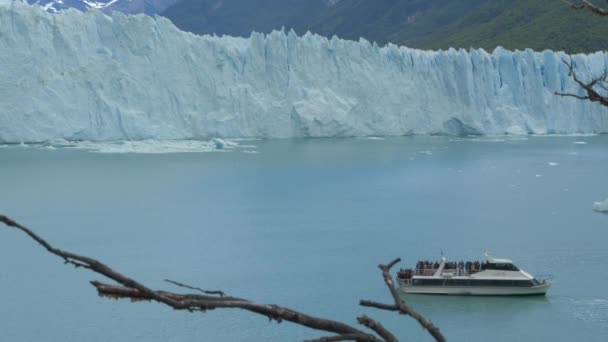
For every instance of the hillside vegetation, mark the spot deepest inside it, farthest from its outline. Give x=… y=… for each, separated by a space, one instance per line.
x=536 y=24
x=241 y=17
x=425 y=24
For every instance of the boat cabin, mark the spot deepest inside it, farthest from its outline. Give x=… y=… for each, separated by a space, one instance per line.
x=448 y=269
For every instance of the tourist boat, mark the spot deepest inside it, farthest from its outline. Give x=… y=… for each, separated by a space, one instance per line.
x=493 y=277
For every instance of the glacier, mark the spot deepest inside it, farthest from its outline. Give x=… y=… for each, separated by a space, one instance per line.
x=90 y=76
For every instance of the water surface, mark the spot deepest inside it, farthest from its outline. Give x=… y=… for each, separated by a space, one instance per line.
x=303 y=223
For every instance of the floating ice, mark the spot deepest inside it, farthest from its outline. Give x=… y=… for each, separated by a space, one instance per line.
x=580 y=143
x=601 y=206
x=553 y=164
x=222 y=144
x=145 y=146
x=148 y=146
x=372 y=138
x=88 y=76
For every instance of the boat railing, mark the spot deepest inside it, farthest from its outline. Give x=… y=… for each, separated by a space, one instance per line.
x=456 y=272
x=404 y=282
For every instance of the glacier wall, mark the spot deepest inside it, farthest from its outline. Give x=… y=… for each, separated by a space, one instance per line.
x=88 y=76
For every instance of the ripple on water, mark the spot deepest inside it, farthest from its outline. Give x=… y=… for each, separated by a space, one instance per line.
x=594 y=310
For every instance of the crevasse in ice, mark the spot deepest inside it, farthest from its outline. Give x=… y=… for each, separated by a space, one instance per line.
x=88 y=76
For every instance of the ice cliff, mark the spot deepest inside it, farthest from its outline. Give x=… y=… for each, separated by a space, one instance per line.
x=88 y=76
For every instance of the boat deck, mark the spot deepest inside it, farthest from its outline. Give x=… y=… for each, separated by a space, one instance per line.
x=429 y=272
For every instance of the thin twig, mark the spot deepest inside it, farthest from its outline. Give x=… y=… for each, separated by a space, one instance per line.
x=219 y=293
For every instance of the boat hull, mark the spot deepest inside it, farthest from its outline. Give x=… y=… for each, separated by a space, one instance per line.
x=539 y=290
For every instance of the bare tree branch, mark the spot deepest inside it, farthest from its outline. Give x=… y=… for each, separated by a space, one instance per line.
x=345 y=337
x=134 y=290
x=121 y=292
x=584 y=4
x=381 y=306
x=592 y=94
x=572 y=95
x=219 y=293
x=128 y=288
x=399 y=305
x=378 y=328
x=93 y=264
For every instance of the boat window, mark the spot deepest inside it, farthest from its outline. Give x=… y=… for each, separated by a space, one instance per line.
x=501 y=267
x=473 y=282
x=429 y=282
x=501 y=283
x=457 y=282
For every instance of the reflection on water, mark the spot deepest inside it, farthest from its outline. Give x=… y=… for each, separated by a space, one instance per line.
x=488 y=306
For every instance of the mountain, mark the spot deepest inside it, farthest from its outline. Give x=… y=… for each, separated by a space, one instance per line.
x=137 y=77
x=377 y=20
x=127 y=6
x=518 y=24
x=425 y=24
x=149 y=7
x=241 y=17
x=404 y=22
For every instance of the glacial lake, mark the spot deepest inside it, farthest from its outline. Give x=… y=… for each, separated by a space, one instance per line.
x=303 y=223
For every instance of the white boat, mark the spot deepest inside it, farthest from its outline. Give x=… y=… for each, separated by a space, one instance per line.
x=494 y=277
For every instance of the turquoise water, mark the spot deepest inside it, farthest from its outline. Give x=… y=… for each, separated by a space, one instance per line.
x=303 y=223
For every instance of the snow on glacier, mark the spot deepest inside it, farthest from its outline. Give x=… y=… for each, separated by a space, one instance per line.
x=89 y=76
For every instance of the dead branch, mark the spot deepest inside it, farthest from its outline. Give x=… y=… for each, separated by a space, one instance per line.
x=219 y=293
x=584 y=4
x=345 y=337
x=121 y=292
x=378 y=328
x=399 y=305
x=128 y=288
x=381 y=306
x=589 y=87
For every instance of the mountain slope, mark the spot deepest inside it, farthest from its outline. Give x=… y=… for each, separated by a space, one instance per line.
x=127 y=6
x=407 y=22
x=377 y=20
x=536 y=24
x=241 y=17
x=149 y=7
x=437 y=24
